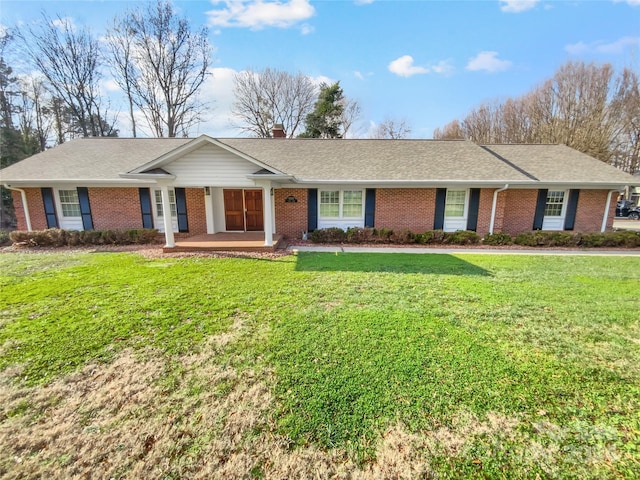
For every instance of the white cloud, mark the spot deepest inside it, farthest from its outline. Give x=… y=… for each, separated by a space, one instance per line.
x=633 y=3
x=362 y=76
x=404 y=67
x=258 y=14
x=363 y=2
x=64 y=23
x=613 y=48
x=306 y=29
x=488 y=62
x=517 y=6
x=444 y=67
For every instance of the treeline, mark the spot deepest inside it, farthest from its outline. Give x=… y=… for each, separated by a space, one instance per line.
x=588 y=107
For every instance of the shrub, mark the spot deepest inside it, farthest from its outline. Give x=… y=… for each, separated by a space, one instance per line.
x=4 y=238
x=402 y=237
x=328 y=235
x=55 y=237
x=497 y=239
x=360 y=235
x=461 y=237
x=382 y=235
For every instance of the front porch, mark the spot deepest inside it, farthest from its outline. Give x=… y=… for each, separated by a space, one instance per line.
x=226 y=241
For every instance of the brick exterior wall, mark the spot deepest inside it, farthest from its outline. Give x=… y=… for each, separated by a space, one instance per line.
x=36 y=209
x=405 y=208
x=291 y=218
x=196 y=215
x=396 y=208
x=484 y=211
x=115 y=208
x=591 y=209
x=518 y=209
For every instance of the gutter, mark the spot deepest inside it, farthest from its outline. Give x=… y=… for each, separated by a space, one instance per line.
x=25 y=207
x=494 y=205
x=603 y=228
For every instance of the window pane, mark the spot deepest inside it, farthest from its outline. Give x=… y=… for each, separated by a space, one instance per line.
x=172 y=203
x=69 y=203
x=330 y=203
x=329 y=210
x=454 y=206
x=330 y=197
x=553 y=208
x=352 y=203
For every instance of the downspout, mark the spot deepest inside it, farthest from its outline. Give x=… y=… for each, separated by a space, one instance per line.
x=606 y=210
x=25 y=207
x=494 y=206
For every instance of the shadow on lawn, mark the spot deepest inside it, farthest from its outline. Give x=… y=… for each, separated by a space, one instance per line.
x=438 y=264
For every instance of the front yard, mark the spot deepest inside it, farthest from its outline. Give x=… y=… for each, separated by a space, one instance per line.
x=113 y=365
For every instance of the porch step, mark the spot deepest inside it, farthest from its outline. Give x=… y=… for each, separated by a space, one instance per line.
x=227 y=242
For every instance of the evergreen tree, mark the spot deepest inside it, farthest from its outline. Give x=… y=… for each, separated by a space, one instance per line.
x=326 y=120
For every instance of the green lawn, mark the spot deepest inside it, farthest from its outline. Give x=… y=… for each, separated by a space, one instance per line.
x=488 y=366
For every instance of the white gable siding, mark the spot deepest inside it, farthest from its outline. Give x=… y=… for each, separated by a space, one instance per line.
x=211 y=165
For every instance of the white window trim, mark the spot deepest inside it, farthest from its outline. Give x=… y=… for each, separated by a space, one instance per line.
x=66 y=223
x=158 y=220
x=341 y=204
x=555 y=222
x=465 y=212
x=453 y=224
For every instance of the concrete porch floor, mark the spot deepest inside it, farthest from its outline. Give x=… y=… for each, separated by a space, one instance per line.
x=226 y=241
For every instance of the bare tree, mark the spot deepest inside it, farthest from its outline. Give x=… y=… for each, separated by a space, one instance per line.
x=350 y=113
x=583 y=106
x=69 y=59
x=161 y=66
x=393 y=129
x=451 y=131
x=121 y=63
x=270 y=97
x=36 y=118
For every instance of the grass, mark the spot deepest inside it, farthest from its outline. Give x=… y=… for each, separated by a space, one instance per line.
x=370 y=364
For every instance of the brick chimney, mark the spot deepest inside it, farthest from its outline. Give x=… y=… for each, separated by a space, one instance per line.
x=278 y=131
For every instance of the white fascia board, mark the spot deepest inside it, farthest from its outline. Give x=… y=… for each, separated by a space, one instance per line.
x=78 y=182
x=148 y=176
x=194 y=145
x=413 y=183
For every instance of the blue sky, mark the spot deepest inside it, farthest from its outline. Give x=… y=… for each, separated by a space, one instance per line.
x=427 y=62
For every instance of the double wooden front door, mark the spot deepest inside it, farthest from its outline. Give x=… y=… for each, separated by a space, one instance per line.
x=243 y=210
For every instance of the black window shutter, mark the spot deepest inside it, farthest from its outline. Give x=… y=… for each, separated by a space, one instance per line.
x=49 y=207
x=146 y=208
x=441 y=200
x=572 y=207
x=85 y=208
x=474 y=206
x=312 y=209
x=370 y=207
x=181 y=208
x=540 y=206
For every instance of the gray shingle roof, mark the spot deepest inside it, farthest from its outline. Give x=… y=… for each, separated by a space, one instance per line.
x=378 y=160
x=309 y=160
x=559 y=163
x=90 y=159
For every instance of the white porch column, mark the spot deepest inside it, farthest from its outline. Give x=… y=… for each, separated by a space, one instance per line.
x=267 y=203
x=166 y=216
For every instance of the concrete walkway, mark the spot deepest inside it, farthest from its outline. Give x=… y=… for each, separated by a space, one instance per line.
x=450 y=251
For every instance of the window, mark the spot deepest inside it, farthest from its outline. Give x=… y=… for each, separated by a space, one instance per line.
x=69 y=203
x=352 y=204
x=555 y=201
x=454 y=206
x=172 y=203
x=330 y=204
x=341 y=203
